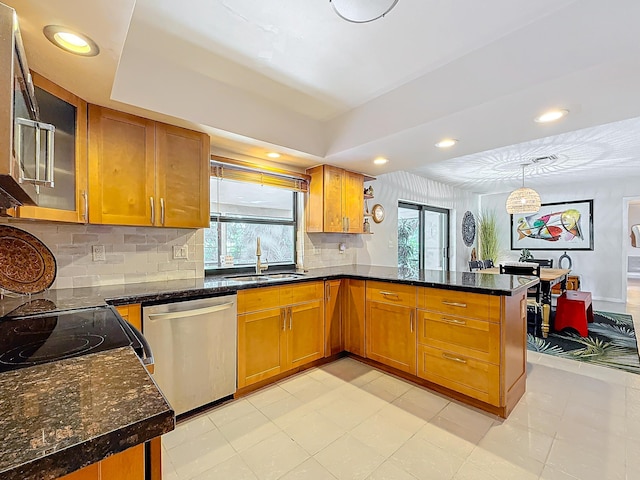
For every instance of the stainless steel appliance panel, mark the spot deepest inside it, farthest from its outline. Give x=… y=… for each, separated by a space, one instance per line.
x=194 y=349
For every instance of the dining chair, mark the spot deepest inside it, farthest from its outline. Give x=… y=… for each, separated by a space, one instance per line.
x=534 y=294
x=543 y=262
x=475 y=265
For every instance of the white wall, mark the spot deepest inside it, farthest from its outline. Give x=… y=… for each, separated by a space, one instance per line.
x=381 y=248
x=603 y=270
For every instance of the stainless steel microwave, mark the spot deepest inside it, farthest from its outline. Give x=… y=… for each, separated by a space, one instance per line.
x=26 y=144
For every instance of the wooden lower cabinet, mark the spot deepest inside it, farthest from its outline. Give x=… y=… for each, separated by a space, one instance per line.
x=353 y=316
x=390 y=325
x=274 y=340
x=333 y=331
x=131 y=313
x=391 y=337
x=474 y=344
x=262 y=340
x=127 y=465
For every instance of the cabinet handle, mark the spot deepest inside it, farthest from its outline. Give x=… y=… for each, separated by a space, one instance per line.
x=327 y=289
x=290 y=319
x=162 y=211
x=446 y=356
x=411 y=321
x=348 y=223
x=455 y=304
x=153 y=210
x=389 y=294
x=85 y=214
x=283 y=314
x=453 y=321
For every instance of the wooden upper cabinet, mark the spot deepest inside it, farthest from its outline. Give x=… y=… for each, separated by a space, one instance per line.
x=335 y=202
x=121 y=168
x=66 y=200
x=146 y=173
x=353 y=201
x=182 y=162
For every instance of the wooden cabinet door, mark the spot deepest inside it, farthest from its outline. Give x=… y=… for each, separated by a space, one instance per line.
x=306 y=333
x=131 y=313
x=391 y=336
x=353 y=201
x=262 y=345
x=332 y=318
x=333 y=216
x=66 y=201
x=182 y=176
x=127 y=465
x=121 y=168
x=353 y=316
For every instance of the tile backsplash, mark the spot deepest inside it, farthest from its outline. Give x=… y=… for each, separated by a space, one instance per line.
x=322 y=249
x=133 y=254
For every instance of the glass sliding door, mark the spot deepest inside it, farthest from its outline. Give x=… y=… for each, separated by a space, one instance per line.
x=408 y=239
x=423 y=238
x=436 y=238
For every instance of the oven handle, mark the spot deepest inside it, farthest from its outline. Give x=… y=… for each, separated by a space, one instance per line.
x=146 y=348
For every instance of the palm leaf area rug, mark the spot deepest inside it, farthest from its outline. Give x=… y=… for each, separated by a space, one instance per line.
x=611 y=343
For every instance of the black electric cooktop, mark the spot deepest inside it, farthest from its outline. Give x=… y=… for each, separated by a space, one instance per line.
x=35 y=339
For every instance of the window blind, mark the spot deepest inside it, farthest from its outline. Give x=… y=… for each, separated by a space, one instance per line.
x=226 y=168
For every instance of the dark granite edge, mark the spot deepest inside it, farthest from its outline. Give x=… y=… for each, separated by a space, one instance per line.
x=75 y=457
x=207 y=292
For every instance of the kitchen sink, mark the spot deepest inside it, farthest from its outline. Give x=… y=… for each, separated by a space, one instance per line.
x=265 y=277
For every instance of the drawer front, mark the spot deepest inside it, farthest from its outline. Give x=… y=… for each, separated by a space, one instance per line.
x=391 y=293
x=300 y=293
x=463 y=374
x=463 y=304
x=257 y=299
x=473 y=338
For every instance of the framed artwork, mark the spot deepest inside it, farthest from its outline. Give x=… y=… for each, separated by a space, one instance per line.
x=557 y=226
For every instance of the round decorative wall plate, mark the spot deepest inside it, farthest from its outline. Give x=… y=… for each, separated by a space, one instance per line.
x=377 y=213
x=26 y=264
x=468 y=228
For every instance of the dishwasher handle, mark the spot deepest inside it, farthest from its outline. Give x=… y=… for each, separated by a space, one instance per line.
x=190 y=313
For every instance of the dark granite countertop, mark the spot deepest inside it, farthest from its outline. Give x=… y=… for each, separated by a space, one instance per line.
x=64 y=415
x=156 y=292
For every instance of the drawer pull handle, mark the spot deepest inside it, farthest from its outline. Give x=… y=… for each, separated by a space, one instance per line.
x=446 y=356
x=453 y=321
x=455 y=304
x=389 y=294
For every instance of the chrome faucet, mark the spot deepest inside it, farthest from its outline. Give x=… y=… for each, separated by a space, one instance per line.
x=259 y=267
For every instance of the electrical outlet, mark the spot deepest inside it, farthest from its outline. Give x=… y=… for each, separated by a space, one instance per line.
x=99 y=253
x=180 y=251
x=390 y=243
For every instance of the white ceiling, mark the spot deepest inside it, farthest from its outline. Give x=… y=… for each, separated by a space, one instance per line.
x=292 y=76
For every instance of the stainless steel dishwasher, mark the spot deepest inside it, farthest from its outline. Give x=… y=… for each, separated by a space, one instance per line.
x=194 y=347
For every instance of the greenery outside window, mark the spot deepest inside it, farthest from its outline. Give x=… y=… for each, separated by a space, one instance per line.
x=240 y=213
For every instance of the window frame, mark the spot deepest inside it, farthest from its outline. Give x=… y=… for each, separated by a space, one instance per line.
x=243 y=269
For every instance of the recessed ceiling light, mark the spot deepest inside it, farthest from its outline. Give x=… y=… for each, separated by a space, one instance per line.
x=446 y=143
x=273 y=155
x=380 y=161
x=71 y=41
x=551 y=116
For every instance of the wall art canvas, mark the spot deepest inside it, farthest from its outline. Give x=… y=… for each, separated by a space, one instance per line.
x=557 y=226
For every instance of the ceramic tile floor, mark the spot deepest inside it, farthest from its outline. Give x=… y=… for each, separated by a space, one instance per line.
x=349 y=421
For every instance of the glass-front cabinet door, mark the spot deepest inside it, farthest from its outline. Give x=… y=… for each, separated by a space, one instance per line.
x=66 y=201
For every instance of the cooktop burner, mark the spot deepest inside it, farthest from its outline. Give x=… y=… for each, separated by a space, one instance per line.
x=32 y=340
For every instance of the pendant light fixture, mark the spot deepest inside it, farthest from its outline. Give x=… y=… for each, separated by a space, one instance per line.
x=362 y=11
x=523 y=200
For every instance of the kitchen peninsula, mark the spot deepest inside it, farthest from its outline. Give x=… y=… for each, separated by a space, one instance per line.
x=459 y=333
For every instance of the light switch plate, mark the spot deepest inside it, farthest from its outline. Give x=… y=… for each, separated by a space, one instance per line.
x=99 y=253
x=180 y=251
